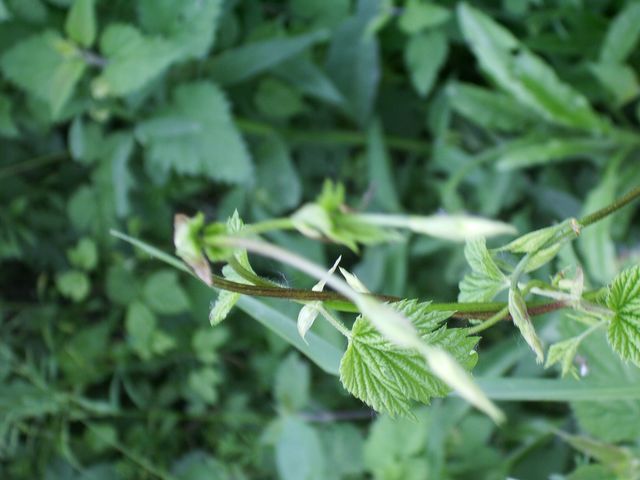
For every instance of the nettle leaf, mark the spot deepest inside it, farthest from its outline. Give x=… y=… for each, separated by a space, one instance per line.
x=46 y=66
x=389 y=378
x=624 y=328
x=485 y=280
x=190 y=24
x=563 y=353
x=133 y=60
x=196 y=136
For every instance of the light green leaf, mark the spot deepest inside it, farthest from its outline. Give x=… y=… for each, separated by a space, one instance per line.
x=299 y=453
x=141 y=324
x=485 y=280
x=222 y=306
x=489 y=109
x=196 y=136
x=563 y=353
x=526 y=152
x=190 y=24
x=524 y=75
x=206 y=342
x=244 y=62
x=119 y=147
x=202 y=384
x=85 y=141
x=521 y=319
x=622 y=35
x=424 y=55
x=619 y=80
x=81 y=22
x=73 y=284
x=388 y=377
x=624 y=327
x=353 y=61
x=532 y=241
x=292 y=383
x=46 y=66
x=134 y=60
x=419 y=15
x=84 y=255
x=164 y=294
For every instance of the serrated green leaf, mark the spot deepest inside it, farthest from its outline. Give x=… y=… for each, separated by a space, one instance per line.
x=524 y=75
x=46 y=66
x=244 y=62
x=81 y=22
x=387 y=377
x=486 y=280
x=489 y=109
x=424 y=56
x=190 y=24
x=532 y=241
x=624 y=328
x=134 y=60
x=622 y=35
x=195 y=135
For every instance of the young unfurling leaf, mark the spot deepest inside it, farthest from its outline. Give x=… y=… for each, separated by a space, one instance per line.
x=486 y=280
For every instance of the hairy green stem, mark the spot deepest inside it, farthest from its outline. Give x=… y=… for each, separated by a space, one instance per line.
x=609 y=209
x=490 y=322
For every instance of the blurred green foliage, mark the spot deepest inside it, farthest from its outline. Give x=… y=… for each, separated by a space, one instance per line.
x=118 y=114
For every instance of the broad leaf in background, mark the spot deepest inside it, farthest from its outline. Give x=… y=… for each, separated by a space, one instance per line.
x=622 y=36
x=45 y=65
x=353 y=61
x=279 y=192
x=524 y=75
x=133 y=60
x=190 y=24
x=244 y=62
x=624 y=328
x=424 y=55
x=7 y=126
x=387 y=377
x=419 y=15
x=292 y=383
x=196 y=136
x=380 y=176
x=489 y=109
x=81 y=22
x=595 y=243
x=535 y=151
x=299 y=451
